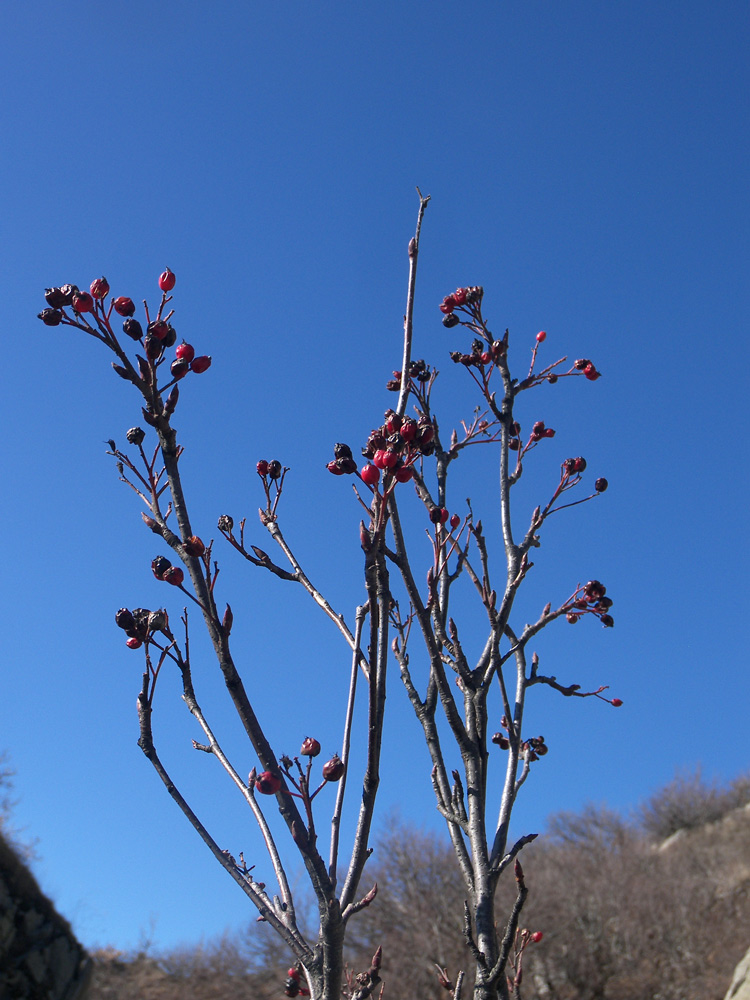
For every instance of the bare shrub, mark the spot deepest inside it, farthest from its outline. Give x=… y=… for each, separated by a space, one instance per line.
x=688 y=801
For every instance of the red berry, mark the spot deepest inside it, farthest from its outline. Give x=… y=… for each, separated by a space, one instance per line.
x=448 y=304
x=600 y=485
x=548 y=432
x=333 y=769
x=591 y=373
x=124 y=306
x=262 y=467
x=186 y=352
x=179 y=368
x=404 y=474
x=455 y=521
x=201 y=364
x=537 y=936
x=310 y=748
x=379 y=458
x=579 y=464
x=571 y=618
x=133 y=643
x=167 y=280
x=174 y=575
x=460 y=296
x=268 y=783
x=408 y=429
x=369 y=474
x=99 y=288
x=392 y=422
x=541 y=336
x=158 y=329
x=293 y=973
x=82 y=302
x=616 y=702
x=334 y=468
x=50 y=317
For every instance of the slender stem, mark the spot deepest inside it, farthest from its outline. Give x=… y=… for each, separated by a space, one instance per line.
x=408 y=318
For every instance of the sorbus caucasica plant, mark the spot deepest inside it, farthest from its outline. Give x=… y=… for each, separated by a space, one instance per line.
x=409 y=463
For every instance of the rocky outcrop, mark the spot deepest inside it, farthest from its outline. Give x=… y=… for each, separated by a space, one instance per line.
x=40 y=958
x=740 y=988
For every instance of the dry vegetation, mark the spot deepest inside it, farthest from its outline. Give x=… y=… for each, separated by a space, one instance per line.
x=651 y=906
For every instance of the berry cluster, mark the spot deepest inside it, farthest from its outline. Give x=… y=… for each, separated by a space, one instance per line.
x=418 y=372
x=272 y=470
x=480 y=354
x=292 y=986
x=465 y=298
x=588 y=369
x=140 y=623
x=591 y=599
x=392 y=448
x=159 y=335
x=163 y=569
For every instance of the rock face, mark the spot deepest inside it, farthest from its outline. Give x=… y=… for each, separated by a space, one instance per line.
x=740 y=988
x=40 y=958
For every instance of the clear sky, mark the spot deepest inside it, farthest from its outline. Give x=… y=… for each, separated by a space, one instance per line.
x=588 y=164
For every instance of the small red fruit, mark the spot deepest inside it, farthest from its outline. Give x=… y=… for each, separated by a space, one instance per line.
x=600 y=485
x=460 y=296
x=261 y=467
x=159 y=328
x=310 y=748
x=404 y=474
x=159 y=566
x=100 y=288
x=455 y=521
x=174 y=575
x=167 y=280
x=201 y=364
x=616 y=702
x=370 y=474
x=448 y=304
x=186 y=352
x=591 y=373
x=82 y=302
x=537 y=936
x=333 y=769
x=541 y=336
x=133 y=643
x=268 y=783
x=124 y=306
x=293 y=973
x=408 y=429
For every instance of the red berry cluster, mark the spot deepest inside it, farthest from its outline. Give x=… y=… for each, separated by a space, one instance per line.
x=592 y=600
x=588 y=369
x=439 y=515
x=392 y=449
x=159 y=335
x=481 y=355
x=139 y=623
x=462 y=297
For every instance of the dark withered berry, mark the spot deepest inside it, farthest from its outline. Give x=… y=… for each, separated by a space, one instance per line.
x=132 y=328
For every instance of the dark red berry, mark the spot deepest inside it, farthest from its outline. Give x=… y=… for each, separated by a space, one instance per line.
x=591 y=373
x=167 y=280
x=174 y=575
x=455 y=521
x=275 y=469
x=99 y=288
x=460 y=296
x=392 y=422
x=124 y=306
x=607 y=621
x=158 y=328
x=293 y=973
x=600 y=485
x=579 y=464
x=616 y=702
x=501 y=741
x=159 y=566
x=451 y=320
x=194 y=546
x=186 y=352
x=56 y=298
x=82 y=302
x=333 y=769
x=50 y=317
x=154 y=347
x=124 y=619
x=133 y=643
x=580 y=363
x=310 y=748
x=132 y=328
x=571 y=618
x=541 y=336
x=537 y=936
x=408 y=429
x=268 y=783
x=448 y=304
x=404 y=474
x=179 y=368
x=201 y=364
x=261 y=467
x=68 y=291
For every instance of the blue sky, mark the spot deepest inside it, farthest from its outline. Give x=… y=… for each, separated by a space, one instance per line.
x=587 y=164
